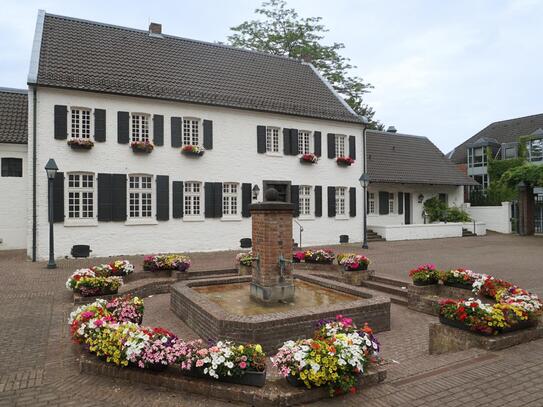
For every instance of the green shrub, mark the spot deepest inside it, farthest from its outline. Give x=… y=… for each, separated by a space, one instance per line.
x=438 y=211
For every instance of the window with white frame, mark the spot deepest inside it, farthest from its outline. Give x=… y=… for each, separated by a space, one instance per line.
x=80 y=196
x=371 y=202
x=341 y=192
x=193 y=199
x=305 y=200
x=391 y=202
x=140 y=127
x=80 y=122
x=140 y=196
x=191 y=132
x=272 y=140
x=340 y=145
x=230 y=193
x=303 y=142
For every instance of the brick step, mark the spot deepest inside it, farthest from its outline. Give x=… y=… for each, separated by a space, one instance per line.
x=387 y=288
x=467 y=233
x=197 y=275
x=395 y=299
x=212 y=276
x=389 y=281
x=374 y=237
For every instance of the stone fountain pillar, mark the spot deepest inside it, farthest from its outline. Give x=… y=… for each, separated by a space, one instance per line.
x=272 y=240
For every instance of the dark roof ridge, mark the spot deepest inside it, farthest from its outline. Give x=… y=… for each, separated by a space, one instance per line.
x=13 y=90
x=515 y=118
x=388 y=133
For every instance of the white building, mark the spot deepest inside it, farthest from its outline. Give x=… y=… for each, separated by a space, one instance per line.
x=254 y=115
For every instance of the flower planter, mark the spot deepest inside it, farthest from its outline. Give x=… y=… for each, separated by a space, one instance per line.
x=244 y=270
x=310 y=162
x=460 y=325
x=142 y=150
x=93 y=292
x=458 y=285
x=156 y=367
x=361 y=267
x=343 y=164
x=81 y=146
x=192 y=154
x=530 y=323
x=249 y=378
x=428 y=282
x=295 y=381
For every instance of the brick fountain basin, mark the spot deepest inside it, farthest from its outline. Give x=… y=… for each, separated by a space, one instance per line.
x=222 y=308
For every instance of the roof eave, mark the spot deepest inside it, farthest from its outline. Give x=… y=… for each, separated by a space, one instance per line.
x=36 y=48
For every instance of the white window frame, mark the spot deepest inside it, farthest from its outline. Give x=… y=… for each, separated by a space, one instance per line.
x=140 y=220
x=306 y=202
x=529 y=149
x=228 y=198
x=340 y=145
x=391 y=204
x=371 y=203
x=339 y=198
x=80 y=221
x=304 y=142
x=273 y=142
x=192 y=195
x=141 y=136
x=191 y=137
x=80 y=123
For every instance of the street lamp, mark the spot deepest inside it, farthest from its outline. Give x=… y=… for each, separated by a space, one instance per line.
x=51 y=170
x=364 y=182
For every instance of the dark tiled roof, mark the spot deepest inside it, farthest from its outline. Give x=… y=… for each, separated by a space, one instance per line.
x=505 y=131
x=93 y=56
x=13 y=116
x=400 y=158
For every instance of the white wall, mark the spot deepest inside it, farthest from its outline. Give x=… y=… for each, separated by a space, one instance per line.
x=13 y=201
x=455 y=198
x=496 y=218
x=419 y=231
x=234 y=158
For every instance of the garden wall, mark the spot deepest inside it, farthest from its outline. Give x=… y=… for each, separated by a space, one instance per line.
x=418 y=231
x=496 y=218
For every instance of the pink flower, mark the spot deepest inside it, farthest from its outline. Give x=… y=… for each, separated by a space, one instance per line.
x=199 y=363
x=98 y=322
x=243 y=365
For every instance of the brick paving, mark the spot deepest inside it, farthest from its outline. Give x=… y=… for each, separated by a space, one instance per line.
x=38 y=366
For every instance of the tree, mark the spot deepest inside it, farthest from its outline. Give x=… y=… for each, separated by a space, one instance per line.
x=284 y=32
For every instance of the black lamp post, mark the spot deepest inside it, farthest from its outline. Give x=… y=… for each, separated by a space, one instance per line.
x=51 y=169
x=364 y=182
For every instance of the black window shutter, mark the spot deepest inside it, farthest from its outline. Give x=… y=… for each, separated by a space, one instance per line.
x=176 y=132
x=123 y=136
x=331 y=202
x=177 y=199
x=99 y=125
x=58 y=197
x=295 y=199
x=286 y=142
x=383 y=203
x=246 y=199
x=61 y=122
x=294 y=141
x=209 y=198
x=118 y=197
x=208 y=134
x=317 y=142
x=158 y=130
x=352 y=147
x=104 y=197
x=217 y=197
x=260 y=140
x=400 y=203
x=162 y=197
x=352 y=202
x=318 y=201
x=331 y=145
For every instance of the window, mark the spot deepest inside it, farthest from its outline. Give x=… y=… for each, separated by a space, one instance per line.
x=303 y=142
x=482 y=180
x=140 y=127
x=140 y=193
x=272 y=140
x=340 y=145
x=535 y=150
x=340 y=201
x=510 y=152
x=80 y=196
x=191 y=130
x=477 y=157
x=230 y=191
x=193 y=199
x=443 y=198
x=81 y=123
x=391 y=202
x=305 y=200
x=371 y=202
x=12 y=167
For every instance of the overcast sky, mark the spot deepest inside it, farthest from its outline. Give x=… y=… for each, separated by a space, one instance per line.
x=441 y=69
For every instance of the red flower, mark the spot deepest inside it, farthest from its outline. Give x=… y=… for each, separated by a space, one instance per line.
x=463 y=317
x=352 y=390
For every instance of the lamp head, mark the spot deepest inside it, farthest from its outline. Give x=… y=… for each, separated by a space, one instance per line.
x=51 y=169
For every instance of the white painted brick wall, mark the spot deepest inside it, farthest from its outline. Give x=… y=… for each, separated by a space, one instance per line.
x=496 y=218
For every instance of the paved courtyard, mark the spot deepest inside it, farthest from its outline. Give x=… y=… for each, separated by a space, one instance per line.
x=39 y=367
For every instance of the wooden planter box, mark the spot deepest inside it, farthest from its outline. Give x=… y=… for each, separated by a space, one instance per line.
x=81 y=146
x=256 y=379
x=421 y=283
x=458 y=285
x=496 y=331
x=92 y=292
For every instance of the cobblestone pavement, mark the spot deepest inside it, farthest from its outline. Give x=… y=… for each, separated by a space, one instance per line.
x=38 y=366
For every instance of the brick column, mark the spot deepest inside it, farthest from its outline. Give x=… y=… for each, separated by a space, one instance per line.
x=272 y=238
x=526 y=206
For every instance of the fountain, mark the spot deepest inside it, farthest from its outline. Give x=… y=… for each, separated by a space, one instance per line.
x=274 y=304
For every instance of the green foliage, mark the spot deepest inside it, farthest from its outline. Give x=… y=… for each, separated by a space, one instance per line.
x=438 y=211
x=455 y=214
x=530 y=174
x=283 y=32
x=496 y=168
x=494 y=195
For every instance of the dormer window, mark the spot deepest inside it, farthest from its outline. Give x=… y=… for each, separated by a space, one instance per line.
x=477 y=157
x=534 y=149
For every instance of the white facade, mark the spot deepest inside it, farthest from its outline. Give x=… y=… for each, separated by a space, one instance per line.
x=13 y=200
x=234 y=158
x=496 y=218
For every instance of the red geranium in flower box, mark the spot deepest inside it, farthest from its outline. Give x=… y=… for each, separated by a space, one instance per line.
x=344 y=161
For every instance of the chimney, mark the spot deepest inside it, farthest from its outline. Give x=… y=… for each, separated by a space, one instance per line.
x=307 y=58
x=391 y=129
x=155 y=28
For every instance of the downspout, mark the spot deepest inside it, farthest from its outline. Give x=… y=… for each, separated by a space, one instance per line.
x=34 y=159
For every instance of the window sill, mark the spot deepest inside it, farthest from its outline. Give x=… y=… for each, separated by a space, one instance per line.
x=80 y=223
x=271 y=154
x=342 y=217
x=193 y=218
x=231 y=219
x=304 y=218
x=137 y=222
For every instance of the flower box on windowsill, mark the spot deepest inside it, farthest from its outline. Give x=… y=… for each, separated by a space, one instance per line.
x=344 y=161
x=80 y=144
x=309 y=159
x=142 y=146
x=194 y=151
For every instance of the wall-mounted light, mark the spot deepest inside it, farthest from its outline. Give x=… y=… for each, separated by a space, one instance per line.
x=421 y=198
x=256 y=191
